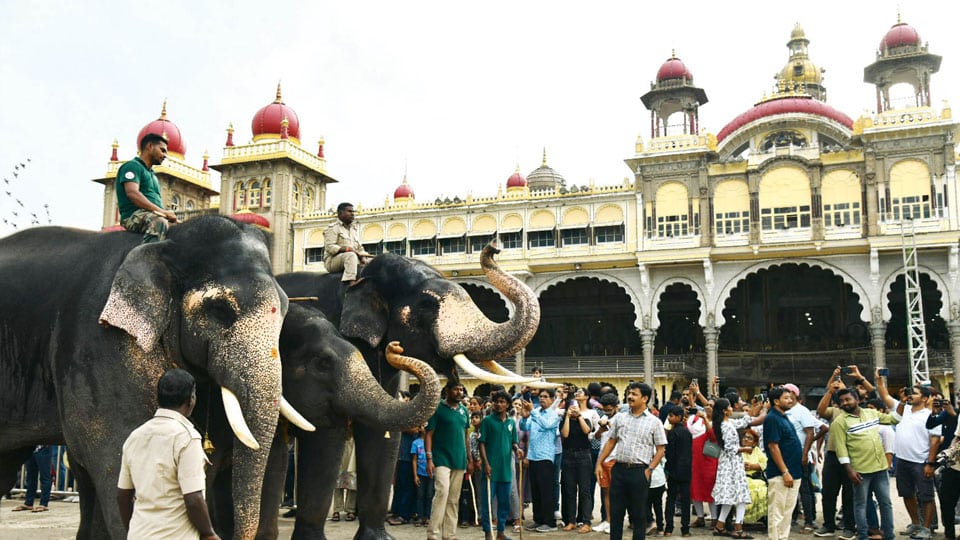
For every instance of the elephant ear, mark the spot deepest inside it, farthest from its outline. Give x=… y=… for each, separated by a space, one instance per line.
x=364 y=314
x=140 y=296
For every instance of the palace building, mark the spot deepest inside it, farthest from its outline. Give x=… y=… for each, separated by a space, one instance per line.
x=770 y=251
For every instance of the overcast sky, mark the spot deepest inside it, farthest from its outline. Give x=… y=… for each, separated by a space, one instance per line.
x=459 y=93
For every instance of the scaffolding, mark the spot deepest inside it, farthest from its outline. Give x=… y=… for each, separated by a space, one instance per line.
x=916 y=329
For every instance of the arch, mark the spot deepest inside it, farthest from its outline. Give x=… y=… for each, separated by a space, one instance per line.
x=841 y=196
x=315 y=238
x=731 y=207
x=655 y=299
x=175 y=202
x=371 y=233
x=424 y=228
x=732 y=283
x=239 y=196
x=267 y=193
x=609 y=213
x=253 y=195
x=785 y=199
x=512 y=221
x=631 y=294
x=575 y=216
x=484 y=224
x=477 y=282
x=910 y=189
x=190 y=205
x=396 y=231
x=454 y=225
x=308 y=200
x=934 y=277
x=542 y=219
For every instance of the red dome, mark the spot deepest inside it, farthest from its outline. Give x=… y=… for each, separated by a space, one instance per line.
x=901 y=34
x=246 y=216
x=785 y=106
x=268 y=119
x=673 y=68
x=516 y=180
x=403 y=191
x=162 y=126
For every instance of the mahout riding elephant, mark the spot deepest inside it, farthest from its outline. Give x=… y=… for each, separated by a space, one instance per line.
x=406 y=300
x=327 y=380
x=88 y=323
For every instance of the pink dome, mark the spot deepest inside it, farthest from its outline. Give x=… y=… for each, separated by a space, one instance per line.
x=516 y=180
x=673 y=68
x=246 y=216
x=784 y=106
x=404 y=191
x=267 y=122
x=899 y=35
x=162 y=126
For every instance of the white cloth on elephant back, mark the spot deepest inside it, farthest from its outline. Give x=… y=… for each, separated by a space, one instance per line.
x=163 y=460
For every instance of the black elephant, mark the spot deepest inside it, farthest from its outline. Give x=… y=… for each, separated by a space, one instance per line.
x=88 y=323
x=327 y=380
x=400 y=299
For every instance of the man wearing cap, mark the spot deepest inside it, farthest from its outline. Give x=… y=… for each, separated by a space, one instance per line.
x=138 y=191
x=806 y=426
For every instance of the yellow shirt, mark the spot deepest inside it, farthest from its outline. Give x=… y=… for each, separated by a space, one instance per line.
x=162 y=460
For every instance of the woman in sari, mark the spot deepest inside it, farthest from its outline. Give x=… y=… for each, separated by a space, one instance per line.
x=754 y=462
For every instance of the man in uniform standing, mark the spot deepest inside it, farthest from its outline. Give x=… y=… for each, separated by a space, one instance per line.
x=138 y=191
x=342 y=250
x=447 y=447
x=162 y=466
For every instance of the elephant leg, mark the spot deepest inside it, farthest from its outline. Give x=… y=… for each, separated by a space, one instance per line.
x=317 y=471
x=376 y=462
x=10 y=463
x=272 y=494
x=220 y=501
x=92 y=525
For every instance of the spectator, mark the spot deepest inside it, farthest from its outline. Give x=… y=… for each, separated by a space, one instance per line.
x=345 y=495
x=754 y=462
x=860 y=451
x=704 y=467
x=679 y=469
x=637 y=441
x=654 y=509
x=833 y=476
x=498 y=444
x=730 y=489
x=404 y=487
x=447 y=447
x=674 y=401
x=469 y=495
x=542 y=427
x=577 y=500
x=609 y=404
x=806 y=427
x=421 y=481
x=39 y=463
x=783 y=450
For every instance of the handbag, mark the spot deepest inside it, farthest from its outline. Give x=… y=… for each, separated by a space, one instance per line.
x=711 y=449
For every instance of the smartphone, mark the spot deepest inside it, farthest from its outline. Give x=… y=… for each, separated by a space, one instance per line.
x=763 y=395
x=694 y=381
x=845 y=370
x=883 y=372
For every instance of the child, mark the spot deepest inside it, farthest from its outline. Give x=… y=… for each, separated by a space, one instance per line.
x=609 y=404
x=469 y=499
x=422 y=480
x=679 y=468
x=658 y=484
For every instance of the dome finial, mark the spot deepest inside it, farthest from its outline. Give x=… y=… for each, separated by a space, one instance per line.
x=113 y=155
x=229 y=135
x=279 y=97
x=163 y=110
x=673 y=53
x=544 y=164
x=206 y=161
x=899 y=19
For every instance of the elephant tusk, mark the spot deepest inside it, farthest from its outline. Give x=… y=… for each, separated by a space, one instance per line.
x=231 y=406
x=543 y=384
x=484 y=375
x=295 y=418
x=495 y=367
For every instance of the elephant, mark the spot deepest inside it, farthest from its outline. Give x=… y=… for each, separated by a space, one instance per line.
x=88 y=323
x=396 y=298
x=317 y=364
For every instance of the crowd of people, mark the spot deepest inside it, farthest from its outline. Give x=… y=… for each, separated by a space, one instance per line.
x=702 y=458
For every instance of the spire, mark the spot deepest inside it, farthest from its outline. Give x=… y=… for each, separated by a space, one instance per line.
x=206 y=161
x=544 y=164
x=673 y=54
x=320 y=150
x=229 y=135
x=113 y=155
x=163 y=111
x=279 y=97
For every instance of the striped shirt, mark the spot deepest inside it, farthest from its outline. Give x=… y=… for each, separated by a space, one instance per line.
x=637 y=437
x=857 y=439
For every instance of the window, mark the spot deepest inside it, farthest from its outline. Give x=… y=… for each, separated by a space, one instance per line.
x=574 y=237
x=477 y=243
x=308 y=201
x=314 y=255
x=841 y=214
x=608 y=234
x=453 y=245
x=785 y=217
x=512 y=240
x=732 y=222
x=536 y=239
x=374 y=248
x=266 y=192
x=671 y=226
x=423 y=247
x=398 y=247
x=296 y=197
x=253 y=196
x=239 y=197
x=190 y=205
x=175 y=203
x=914 y=207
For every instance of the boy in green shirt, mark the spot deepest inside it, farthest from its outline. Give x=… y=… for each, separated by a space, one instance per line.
x=498 y=440
x=138 y=191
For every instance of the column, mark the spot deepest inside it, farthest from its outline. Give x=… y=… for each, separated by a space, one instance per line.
x=710 y=334
x=953 y=327
x=647 y=336
x=520 y=358
x=878 y=338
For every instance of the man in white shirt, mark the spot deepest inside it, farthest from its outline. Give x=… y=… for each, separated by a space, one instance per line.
x=806 y=426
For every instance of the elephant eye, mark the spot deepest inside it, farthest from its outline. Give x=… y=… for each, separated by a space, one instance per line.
x=221 y=311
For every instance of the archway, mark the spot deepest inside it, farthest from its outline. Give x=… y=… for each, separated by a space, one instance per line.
x=938 y=338
x=678 y=310
x=489 y=302
x=585 y=317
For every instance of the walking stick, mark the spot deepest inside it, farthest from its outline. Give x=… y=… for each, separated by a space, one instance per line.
x=490 y=505
x=473 y=499
x=520 y=488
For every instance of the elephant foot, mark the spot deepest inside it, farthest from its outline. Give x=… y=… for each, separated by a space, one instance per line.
x=370 y=533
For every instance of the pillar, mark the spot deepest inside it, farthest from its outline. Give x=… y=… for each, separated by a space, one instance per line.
x=878 y=339
x=647 y=336
x=710 y=334
x=954 y=328
x=519 y=358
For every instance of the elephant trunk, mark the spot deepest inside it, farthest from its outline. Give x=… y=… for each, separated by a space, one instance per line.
x=370 y=404
x=463 y=329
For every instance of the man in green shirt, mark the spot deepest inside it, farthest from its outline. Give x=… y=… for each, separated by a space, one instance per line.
x=138 y=191
x=447 y=446
x=856 y=434
x=498 y=441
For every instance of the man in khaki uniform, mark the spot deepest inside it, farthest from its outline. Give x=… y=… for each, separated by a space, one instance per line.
x=162 y=468
x=342 y=250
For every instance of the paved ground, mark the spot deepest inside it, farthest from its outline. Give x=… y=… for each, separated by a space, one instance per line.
x=60 y=523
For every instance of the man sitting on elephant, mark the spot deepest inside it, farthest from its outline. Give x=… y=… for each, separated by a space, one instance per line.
x=138 y=191
x=342 y=250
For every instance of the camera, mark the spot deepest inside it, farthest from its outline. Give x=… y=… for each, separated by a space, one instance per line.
x=939 y=402
x=692 y=410
x=845 y=370
x=883 y=372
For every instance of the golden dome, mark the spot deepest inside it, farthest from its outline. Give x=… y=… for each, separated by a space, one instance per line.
x=801 y=70
x=797 y=33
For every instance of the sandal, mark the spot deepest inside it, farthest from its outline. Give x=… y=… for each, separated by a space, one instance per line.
x=40 y=508
x=23 y=507
x=720 y=531
x=740 y=534
x=335 y=516
x=396 y=520
x=351 y=516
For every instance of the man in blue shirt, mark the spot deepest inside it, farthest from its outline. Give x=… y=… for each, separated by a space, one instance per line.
x=542 y=425
x=784 y=466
